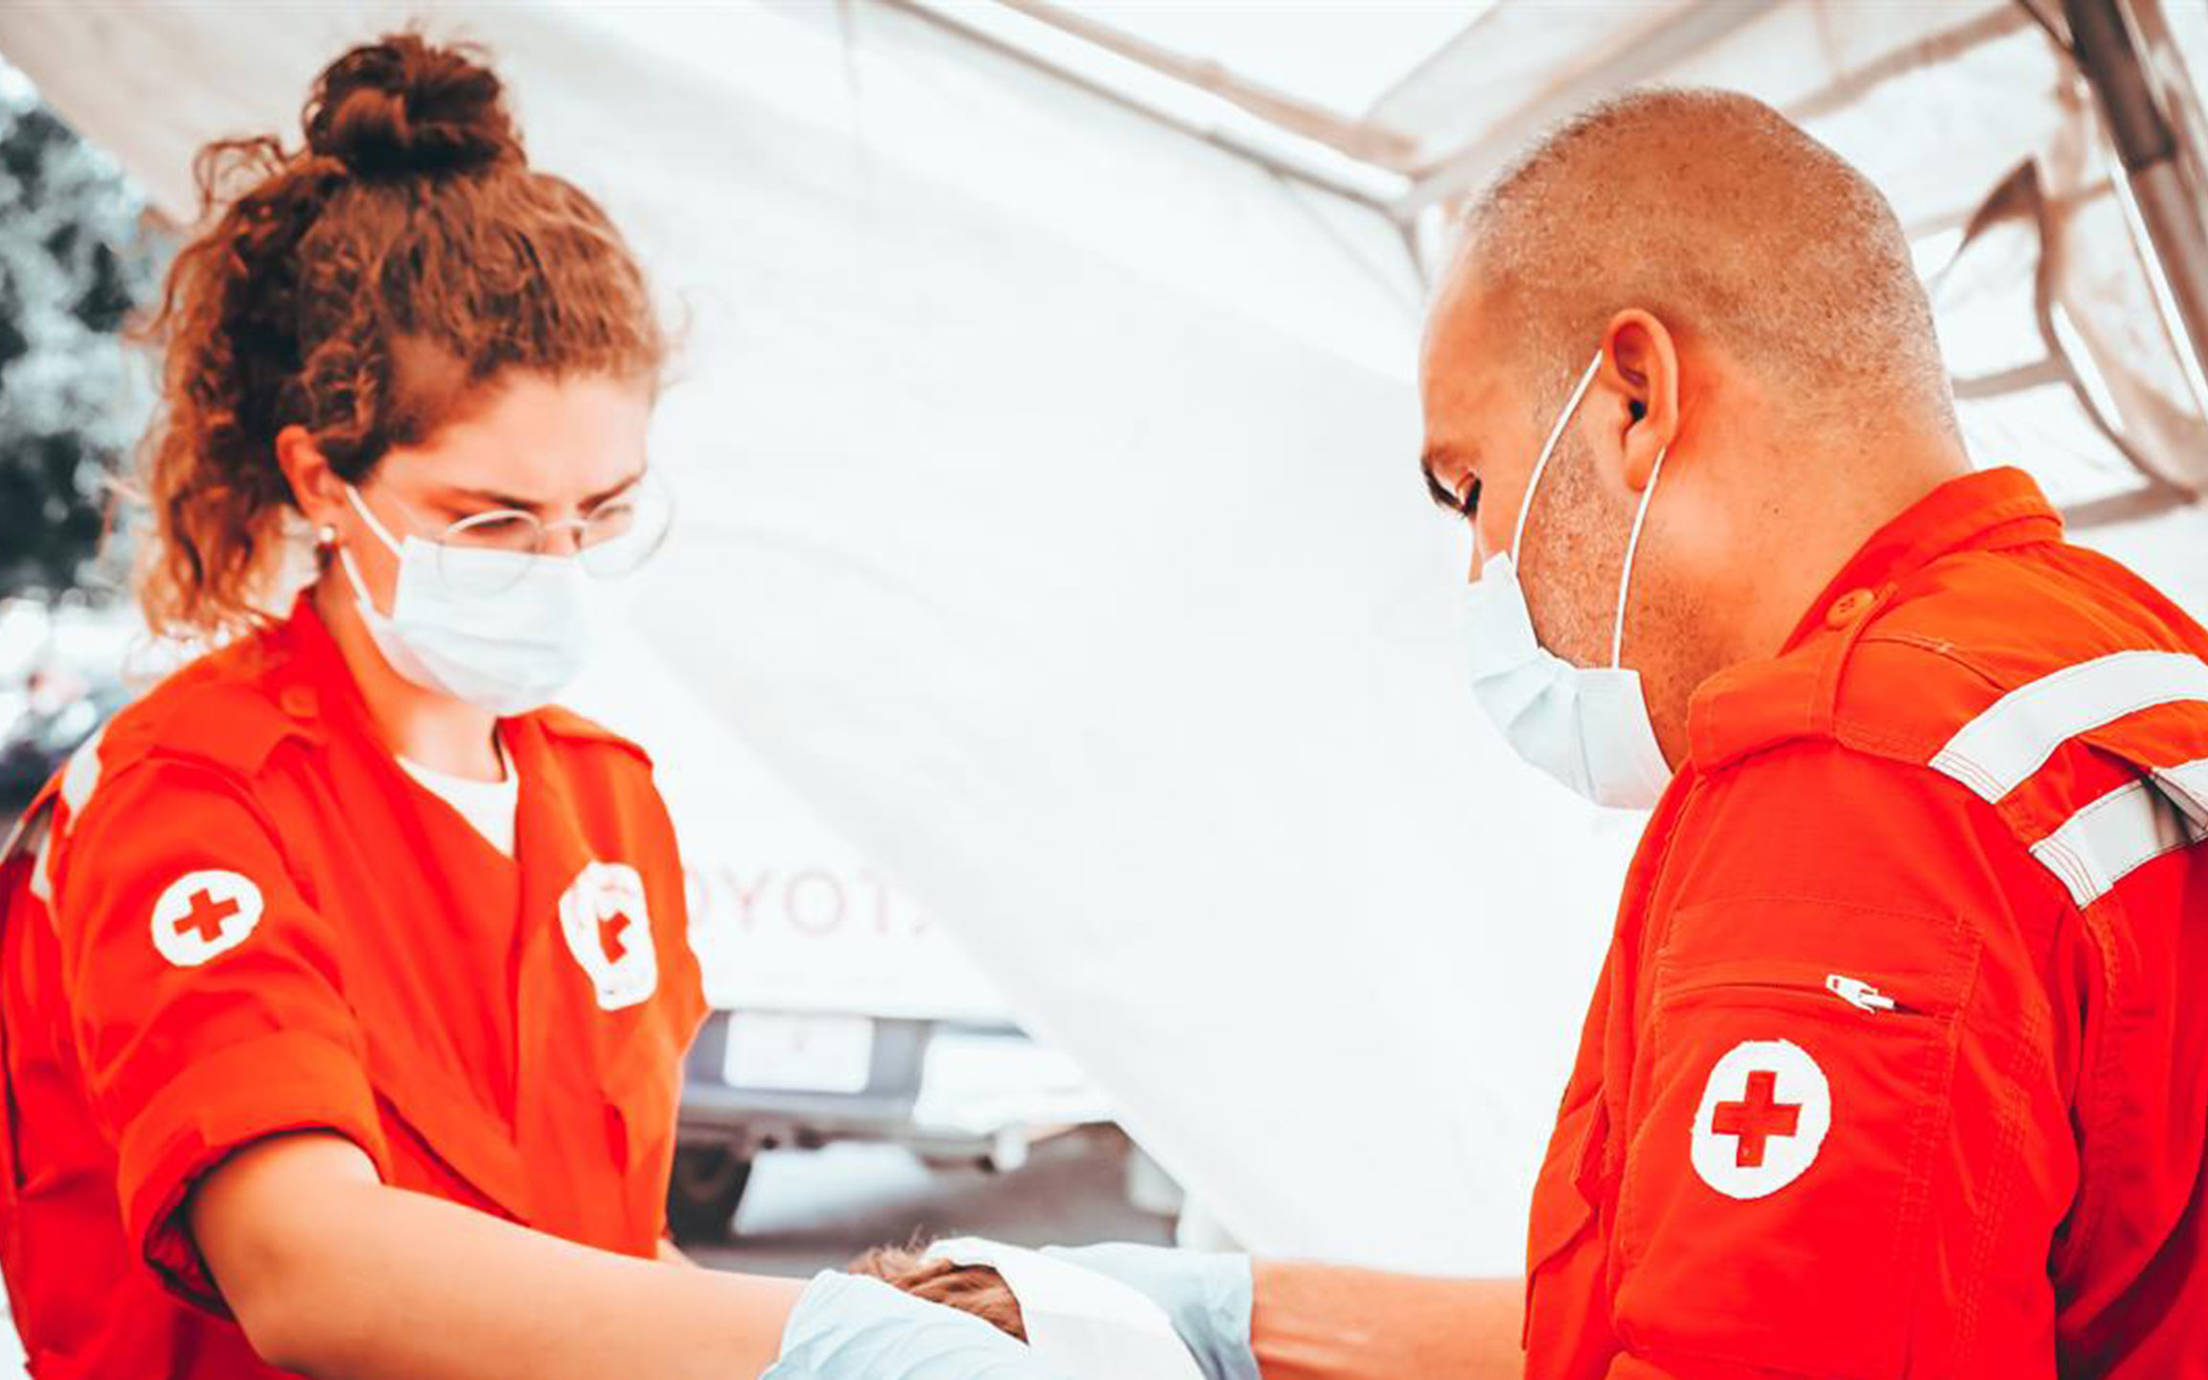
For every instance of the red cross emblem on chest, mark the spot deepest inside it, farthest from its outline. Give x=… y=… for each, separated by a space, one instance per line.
x=606 y=919
x=610 y=929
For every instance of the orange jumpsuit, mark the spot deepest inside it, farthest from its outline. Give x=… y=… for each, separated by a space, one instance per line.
x=234 y=914
x=1898 y=1065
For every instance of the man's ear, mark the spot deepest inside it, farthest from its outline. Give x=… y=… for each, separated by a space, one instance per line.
x=316 y=488
x=1640 y=382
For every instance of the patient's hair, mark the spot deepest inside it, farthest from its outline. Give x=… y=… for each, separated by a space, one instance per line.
x=974 y=1289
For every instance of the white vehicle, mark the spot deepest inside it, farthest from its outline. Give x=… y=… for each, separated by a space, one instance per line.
x=840 y=1010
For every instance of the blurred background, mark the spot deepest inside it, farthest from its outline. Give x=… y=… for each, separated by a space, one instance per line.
x=1054 y=673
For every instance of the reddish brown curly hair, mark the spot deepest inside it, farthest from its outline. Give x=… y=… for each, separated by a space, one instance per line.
x=974 y=1289
x=362 y=286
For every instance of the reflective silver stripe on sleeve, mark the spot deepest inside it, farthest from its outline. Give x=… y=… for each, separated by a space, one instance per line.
x=79 y=778
x=2188 y=786
x=42 y=881
x=2103 y=843
x=2016 y=734
x=82 y=776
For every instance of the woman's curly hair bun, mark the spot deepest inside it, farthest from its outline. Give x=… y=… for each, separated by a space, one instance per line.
x=361 y=287
x=404 y=107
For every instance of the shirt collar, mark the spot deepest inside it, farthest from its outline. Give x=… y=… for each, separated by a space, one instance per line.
x=317 y=684
x=1984 y=510
x=1756 y=703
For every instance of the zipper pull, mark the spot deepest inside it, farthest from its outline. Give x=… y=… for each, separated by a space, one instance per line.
x=1858 y=993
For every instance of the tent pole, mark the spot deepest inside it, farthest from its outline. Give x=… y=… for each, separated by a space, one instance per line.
x=1653 y=53
x=950 y=19
x=1363 y=142
x=2161 y=188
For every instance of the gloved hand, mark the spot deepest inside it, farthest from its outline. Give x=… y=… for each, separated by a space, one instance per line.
x=848 y=1327
x=1208 y=1297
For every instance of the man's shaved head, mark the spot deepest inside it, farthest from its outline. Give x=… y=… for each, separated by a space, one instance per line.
x=1711 y=210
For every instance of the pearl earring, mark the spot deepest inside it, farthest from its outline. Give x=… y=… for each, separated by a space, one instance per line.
x=326 y=535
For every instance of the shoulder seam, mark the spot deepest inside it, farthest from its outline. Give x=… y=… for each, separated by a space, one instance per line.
x=233 y=785
x=2060 y=892
x=568 y=726
x=1866 y=738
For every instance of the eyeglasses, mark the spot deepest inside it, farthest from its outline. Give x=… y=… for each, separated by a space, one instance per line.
x=612 y=540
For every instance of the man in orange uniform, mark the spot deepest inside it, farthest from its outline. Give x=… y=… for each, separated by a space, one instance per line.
x=1898 y=1065
x=351 y=1008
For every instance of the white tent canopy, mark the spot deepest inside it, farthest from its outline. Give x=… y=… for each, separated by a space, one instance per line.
x=1051 y=529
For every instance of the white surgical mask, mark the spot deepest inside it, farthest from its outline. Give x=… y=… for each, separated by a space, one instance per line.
x=507 y=651
x=1587 y=726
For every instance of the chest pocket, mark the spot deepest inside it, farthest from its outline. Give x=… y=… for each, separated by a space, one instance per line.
x=1786 y=1117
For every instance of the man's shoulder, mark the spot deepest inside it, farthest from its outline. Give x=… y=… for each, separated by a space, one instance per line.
x=2050 y=634
x=2048 y=683
x=1983 y=647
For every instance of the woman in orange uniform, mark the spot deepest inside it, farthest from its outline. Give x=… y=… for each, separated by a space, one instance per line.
x=344 y=986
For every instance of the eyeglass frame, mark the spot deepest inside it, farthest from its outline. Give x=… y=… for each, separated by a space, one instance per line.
x=544 y=529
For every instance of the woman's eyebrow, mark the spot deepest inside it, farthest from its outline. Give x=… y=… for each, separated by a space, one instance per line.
x=491 y=498
x=495 y=499
x=624 y=486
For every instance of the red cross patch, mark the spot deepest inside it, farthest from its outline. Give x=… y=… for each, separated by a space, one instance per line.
x=202 y=914
x=1763 y=1118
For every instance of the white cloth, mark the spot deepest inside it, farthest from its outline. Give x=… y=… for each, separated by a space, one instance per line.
x=488 y=806
x=1078 y=1322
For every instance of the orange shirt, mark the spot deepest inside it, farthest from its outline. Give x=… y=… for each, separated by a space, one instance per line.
x=1898 y=1065
x=234 y=914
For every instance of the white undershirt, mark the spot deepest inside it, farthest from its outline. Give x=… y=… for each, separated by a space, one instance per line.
x=487 y=805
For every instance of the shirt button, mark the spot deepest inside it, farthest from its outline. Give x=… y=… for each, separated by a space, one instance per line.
x=1849 y=607
x=297 y=701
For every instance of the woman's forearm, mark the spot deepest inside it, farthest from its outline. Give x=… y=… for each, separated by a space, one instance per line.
x=337 y=1276
x=1329 y=1322
x=411 y=1271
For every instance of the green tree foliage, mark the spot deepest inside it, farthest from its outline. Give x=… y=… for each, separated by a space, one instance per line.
x=76 y=259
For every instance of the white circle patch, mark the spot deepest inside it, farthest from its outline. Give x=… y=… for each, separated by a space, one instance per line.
x=203 y=914
x=1763 y=1117
x=609 y=931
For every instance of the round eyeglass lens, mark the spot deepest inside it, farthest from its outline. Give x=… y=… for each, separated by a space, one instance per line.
x=624 y=532
x=488 y=553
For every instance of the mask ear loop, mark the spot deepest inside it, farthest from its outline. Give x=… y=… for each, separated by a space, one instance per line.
x=383 y=534
x=1633 y=544
x=1548 y=452
x=345 y=557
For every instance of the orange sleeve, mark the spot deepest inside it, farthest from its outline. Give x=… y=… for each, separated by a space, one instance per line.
x=1847 y=1148
x=204 y=997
